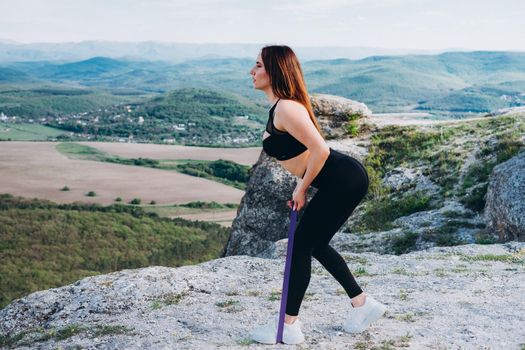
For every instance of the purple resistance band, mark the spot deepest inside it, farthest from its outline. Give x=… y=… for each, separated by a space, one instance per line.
x=284 y=296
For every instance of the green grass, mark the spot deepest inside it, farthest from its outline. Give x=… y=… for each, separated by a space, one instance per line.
x=403 y=295
x=352 y=128
x=274 y=295
x=518 y=258
x=444 y=169
x=168 y=299
x=27 y=132
x=404 y=243
x=9 y=340
x=379 y=213
x=396 y=145
x=445 y=235
x=227 y=303
x=77 y=151
x=436 y=151
x=33 y=335
x=360 y=271
x=189 y=208
x=411 y=146
x=484 y=237
x=440 y=152
x=474 y=185
x=102 y=330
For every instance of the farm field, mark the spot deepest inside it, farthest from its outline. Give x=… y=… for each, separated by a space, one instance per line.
x=246 y=156
x=37 y=169
x=221 y=216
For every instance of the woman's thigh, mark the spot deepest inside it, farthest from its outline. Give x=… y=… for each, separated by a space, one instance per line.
x=341 y=185
x=326 y=212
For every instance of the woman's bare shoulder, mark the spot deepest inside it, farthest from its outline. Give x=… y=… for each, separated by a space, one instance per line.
x=289 y=102
x=290 y=106
x=289 y=110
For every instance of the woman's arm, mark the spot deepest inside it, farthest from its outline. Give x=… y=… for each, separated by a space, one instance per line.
x=315 y=164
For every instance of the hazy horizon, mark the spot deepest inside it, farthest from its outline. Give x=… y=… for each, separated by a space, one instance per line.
x=446 y=49
x=383 y=24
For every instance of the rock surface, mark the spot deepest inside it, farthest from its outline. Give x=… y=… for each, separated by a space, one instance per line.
x=507 y=111
x=338 y=107
x=333 y=112
x=505 y=205
x=262 y=217
x=402 y=179
x=439 y=298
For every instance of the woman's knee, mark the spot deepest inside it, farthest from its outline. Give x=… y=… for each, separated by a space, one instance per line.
x=320 y=250
x=303 y=247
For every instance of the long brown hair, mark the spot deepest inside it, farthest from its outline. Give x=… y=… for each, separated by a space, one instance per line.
x=286 y=77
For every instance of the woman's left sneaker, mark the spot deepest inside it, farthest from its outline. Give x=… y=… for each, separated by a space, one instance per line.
x=361 y=317
x=267 y=333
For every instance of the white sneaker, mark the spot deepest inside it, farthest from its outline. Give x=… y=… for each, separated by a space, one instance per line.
x=362 y=316
x=267 y=333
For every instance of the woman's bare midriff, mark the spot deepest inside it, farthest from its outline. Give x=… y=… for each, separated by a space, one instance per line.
x=296 y=165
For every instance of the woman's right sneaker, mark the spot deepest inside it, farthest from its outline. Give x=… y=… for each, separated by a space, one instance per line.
x=267 y=333
x=362 y=316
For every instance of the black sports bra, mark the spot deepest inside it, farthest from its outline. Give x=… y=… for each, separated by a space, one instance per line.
x=280 y=144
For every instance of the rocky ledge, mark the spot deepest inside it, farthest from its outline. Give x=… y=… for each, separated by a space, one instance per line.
x=461 y=297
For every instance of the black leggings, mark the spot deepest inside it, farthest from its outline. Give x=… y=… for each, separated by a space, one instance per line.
x=342 y=183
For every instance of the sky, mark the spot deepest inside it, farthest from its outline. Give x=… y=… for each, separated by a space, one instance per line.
x=399 y=24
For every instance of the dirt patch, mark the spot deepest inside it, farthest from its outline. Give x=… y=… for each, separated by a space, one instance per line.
x=409 y=119
x=36 y=169
x=246 y=156
x=224 y=218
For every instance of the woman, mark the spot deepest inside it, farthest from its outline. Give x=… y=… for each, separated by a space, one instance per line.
x=294 y=138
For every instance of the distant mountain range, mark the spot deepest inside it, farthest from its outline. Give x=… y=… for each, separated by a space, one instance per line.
x=451 y=83
x=176 y=52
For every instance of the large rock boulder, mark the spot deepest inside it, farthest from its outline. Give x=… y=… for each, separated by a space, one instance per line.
x=505 y=205
x=263 y=215
x=335 y=112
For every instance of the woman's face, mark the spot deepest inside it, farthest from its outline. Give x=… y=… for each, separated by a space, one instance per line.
x=261 y=79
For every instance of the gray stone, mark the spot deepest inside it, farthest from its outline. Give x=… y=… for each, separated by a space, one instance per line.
x=403 y=179
x=263 y=215
x=437 y=296
x=334 y=112
x=505 y=204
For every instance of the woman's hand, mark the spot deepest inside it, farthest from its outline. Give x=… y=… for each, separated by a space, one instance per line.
x=298 y=197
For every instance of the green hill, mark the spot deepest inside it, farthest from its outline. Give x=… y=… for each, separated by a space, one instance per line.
x=10 y=75
x=94 y=67
x=388 y=83
x=209 y=92
x=191 y=116
x=37 y=101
